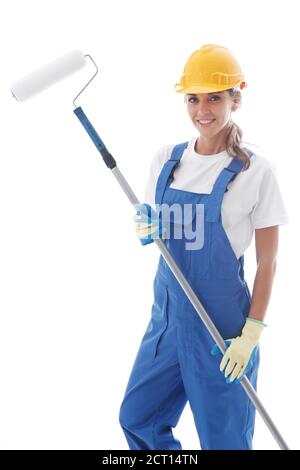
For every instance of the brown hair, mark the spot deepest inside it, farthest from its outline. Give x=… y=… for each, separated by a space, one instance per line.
x=234 y=136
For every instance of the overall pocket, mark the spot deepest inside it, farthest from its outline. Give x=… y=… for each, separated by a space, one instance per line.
x=200 y=257
x=226 y=314
x=159 y=319
x=191 y=251
x=223 y=261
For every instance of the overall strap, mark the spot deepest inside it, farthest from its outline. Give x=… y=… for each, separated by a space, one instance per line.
x=213 y=210
x=167 y=171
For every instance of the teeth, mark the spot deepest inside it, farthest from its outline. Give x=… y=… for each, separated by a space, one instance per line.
x=206 y=122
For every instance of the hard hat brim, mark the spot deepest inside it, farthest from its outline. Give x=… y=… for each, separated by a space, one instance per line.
x=195 y=89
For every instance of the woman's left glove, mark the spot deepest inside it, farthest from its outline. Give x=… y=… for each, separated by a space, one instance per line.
x=241 y=352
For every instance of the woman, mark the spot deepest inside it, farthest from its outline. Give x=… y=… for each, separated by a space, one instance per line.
x=238 y=191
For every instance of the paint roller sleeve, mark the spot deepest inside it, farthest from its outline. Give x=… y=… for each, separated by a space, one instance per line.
x=47 y=75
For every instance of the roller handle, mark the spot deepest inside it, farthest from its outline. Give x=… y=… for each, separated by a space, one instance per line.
x=245 y=383
x=107 y=157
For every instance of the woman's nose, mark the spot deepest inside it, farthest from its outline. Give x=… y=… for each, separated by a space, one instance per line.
x=202 y=108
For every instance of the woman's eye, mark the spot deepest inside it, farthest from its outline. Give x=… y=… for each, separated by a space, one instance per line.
x=212 y=98
x=215 y=98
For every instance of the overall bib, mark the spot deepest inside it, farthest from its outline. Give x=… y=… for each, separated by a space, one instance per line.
x=174 y=364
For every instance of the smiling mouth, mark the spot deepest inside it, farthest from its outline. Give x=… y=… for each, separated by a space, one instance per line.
x=205 y=122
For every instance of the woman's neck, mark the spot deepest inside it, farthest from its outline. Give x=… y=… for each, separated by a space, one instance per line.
x=213 y=145
x=208 y=148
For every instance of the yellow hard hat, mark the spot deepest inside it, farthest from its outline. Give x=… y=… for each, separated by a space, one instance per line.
x=209 y=69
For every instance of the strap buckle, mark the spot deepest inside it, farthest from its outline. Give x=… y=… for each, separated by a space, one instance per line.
x=171 y=177
x=229 y=169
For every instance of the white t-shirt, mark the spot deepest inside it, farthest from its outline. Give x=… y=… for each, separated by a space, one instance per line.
x=253 y=199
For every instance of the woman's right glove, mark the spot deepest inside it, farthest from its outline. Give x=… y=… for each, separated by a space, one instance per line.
x=148 y=224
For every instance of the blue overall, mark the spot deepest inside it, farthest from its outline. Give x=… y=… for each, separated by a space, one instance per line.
x=174 y=364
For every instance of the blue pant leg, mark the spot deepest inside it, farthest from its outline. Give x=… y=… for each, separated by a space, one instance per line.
x=155 y=395
x=224 y=415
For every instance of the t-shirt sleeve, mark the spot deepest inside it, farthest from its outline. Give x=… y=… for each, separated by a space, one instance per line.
x=269 y=209
x=149 y=195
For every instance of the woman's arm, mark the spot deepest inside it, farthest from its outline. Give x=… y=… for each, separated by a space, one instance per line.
x=266 y=242
x=239 y=356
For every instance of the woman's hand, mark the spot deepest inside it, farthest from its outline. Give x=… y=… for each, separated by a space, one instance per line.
x=148 y=224
x=241 y=352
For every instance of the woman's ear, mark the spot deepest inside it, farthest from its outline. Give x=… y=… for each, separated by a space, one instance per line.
x=236 y=102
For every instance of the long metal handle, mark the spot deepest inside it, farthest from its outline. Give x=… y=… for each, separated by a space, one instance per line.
x=111 y=163
x=219 y=340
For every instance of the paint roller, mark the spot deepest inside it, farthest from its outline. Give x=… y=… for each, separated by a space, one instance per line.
x=59 y=69
x=53 y=72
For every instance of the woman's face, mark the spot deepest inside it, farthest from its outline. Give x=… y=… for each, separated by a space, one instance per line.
x=210 y=112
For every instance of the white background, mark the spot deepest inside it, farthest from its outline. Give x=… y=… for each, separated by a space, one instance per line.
x=76 y=284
